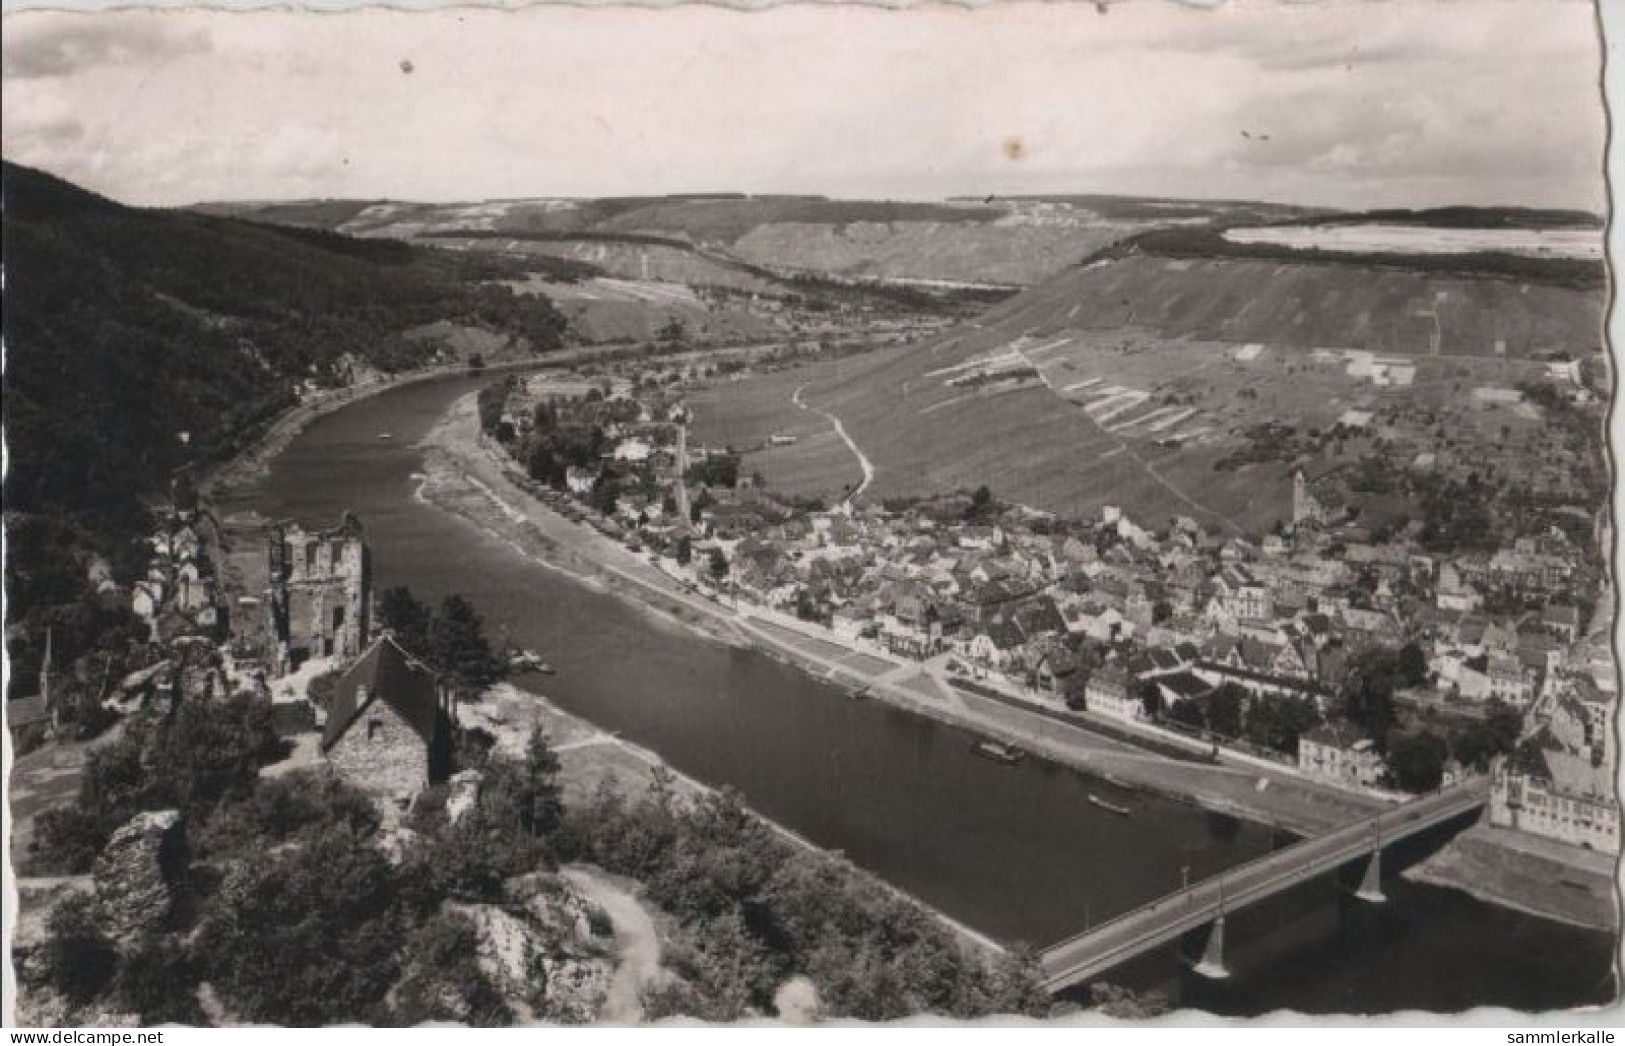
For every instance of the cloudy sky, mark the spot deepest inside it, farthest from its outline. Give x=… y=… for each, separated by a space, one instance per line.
x=1358 y=103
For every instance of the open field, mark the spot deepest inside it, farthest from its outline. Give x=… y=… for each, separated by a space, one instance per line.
x=629 y=261
x=746 y=414
x=1375 y=237
x=999 y=252
x=1313 y=304
x=607 y=309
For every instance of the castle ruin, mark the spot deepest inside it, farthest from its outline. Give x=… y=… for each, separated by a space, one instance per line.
x=320 y=595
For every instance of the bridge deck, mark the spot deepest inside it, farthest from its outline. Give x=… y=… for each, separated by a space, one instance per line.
x=1086 y=955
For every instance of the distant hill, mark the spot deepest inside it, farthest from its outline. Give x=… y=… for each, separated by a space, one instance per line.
x=1476 y=218
x=1176 y=373
x=139 y=341
x=1010 y=241
x=1142 y=208
x=127 y=328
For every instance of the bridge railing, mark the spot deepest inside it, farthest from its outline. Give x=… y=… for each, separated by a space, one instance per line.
x=1352 y=833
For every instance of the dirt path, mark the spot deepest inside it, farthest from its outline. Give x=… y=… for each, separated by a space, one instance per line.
x=636 y=943
x=840 y=430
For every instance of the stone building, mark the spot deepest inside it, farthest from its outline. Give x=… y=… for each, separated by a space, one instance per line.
x=320 y=595
x=389 y=725
x=1338 y=752
x=1570 y=799
x=1316 y=504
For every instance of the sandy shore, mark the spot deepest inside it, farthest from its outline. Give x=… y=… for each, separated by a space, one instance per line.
x=1532 y=875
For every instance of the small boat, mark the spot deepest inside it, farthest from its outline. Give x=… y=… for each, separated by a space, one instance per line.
x=528 y=661
x=1095 y=800
x=998 y=751
x=385 y=435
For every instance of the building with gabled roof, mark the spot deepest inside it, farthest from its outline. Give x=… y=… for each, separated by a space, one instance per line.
x=1338 y=751
x=389 y=724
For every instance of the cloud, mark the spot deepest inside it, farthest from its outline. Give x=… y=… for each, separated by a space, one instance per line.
x=83 y=42
x=1363 y=103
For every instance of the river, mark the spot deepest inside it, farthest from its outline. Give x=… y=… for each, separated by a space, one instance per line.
x=1016 y=852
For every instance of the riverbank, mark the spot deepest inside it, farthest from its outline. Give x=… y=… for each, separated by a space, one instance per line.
x=1532 y=875
x=590 y=759
x=252 y=461
x=463 y=476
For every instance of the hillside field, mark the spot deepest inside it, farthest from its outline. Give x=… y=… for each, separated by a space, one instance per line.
x=1170 y=386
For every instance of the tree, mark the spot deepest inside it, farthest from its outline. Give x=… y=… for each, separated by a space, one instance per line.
x=717 y=470
x=1478 y=742
x=672 y=334
x=443 y=980
x=1503 y=725
x=544 y=466
x=158 y=980
x=402 y=613
x=541 y=800
x=981 y=505
x=1413 y=665
x=1276 y=721
x=311 y=935
x=806 y=605
x=195 y=756
x=1151 y=699
x=606 y=494
x=1416 y=760
x=1367 y=695
x=1224 y=708
x=1189 y=713
x=492 y=400
x=685 y=550
x=459 y=649
x=80 y=961
x=718 y=566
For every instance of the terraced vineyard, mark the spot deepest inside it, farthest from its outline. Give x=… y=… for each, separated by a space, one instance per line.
x=1162 y=384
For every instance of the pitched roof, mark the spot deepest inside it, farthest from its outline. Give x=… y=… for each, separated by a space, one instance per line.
x=1338 y=733
x=1186 y=684
x=385 y=673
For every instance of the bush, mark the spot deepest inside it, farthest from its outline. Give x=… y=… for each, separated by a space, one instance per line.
x=753 y=909
x=158 y=980
x=309 y=935
x=443 y=980
x=80 y=962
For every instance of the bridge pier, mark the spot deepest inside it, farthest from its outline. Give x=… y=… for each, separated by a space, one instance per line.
x=1211 y=962
x=1370 y=889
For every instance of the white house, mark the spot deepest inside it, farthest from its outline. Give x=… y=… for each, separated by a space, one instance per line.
x=1108 y=692
x=1337 y=752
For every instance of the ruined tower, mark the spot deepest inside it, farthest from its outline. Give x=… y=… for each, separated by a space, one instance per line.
x=320 y=593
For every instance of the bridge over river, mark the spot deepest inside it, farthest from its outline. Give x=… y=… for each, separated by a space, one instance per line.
x=1199 y=909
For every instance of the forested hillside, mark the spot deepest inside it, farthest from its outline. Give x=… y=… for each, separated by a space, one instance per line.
x=139 y=341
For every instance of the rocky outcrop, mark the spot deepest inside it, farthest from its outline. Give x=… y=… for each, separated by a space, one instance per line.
x=538 y=950
x=138 y=874
x=464 y=795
